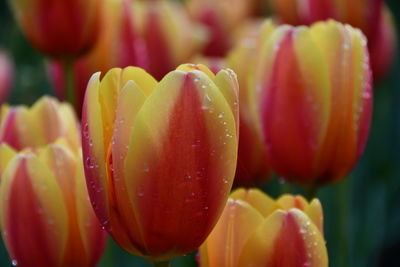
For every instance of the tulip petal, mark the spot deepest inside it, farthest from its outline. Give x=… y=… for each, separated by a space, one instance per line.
x=345 y=49
x=285 y=239
x=30 y=195
x=130 y=101
x=93 y=238
x=287 y=202
x=315 y=213
x=257 y=199
x=226 y=81
x=231 y=233
x=94 y=152
x=182 y=150
x=6 y=154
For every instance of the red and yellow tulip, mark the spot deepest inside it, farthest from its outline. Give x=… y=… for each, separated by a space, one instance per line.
x=171 y=38
x=160 y=158
x=220 y=17
x=371 y=16
x=255 y=230
x=119 y=45
x=45 y=214
x=59 y=28
x=315 y=107
x=6 y=76
x=252 y=167
x=43 y=123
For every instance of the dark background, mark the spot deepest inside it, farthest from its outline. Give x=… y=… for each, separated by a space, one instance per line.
x=362 y=213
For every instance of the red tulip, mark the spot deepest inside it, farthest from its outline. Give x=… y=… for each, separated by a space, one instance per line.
x=119 y=45
x=59 y=28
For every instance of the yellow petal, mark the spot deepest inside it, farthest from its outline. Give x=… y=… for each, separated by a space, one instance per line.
x=234 y=228
x=257 y=199
x=6 y=154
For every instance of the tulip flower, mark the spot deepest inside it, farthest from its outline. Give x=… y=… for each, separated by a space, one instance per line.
x=371 y=16
x=119 y=45
x=6 y=76
x=255 y=230
x=252 y=167
x=221 y=19
x=45 y=214
x=171 y=38
x=43 y=123
x=59 y=28
x=315 y=107
x=160 y=158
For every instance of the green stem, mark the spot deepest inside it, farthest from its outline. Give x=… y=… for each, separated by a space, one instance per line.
x=69 y=81
x=162 y=264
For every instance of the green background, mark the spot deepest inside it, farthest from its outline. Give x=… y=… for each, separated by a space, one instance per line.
x=362 y=213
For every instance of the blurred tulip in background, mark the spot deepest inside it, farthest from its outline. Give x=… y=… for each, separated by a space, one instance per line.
x=59 y=28
x=252 y=167
x=255 y=230
x=371 y=16
x=45 y=214
x=315 y=106
x=118 y=45
x=160 y=157
x=6 y=76
x=220 y=18
x=43 y=123
x=171 y=38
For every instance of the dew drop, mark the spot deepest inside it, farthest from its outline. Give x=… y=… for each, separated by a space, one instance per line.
x=14 y=262
x=205 y=208
x=225 y=180
x=196 y=143
x=221 y=115
x=86 y=131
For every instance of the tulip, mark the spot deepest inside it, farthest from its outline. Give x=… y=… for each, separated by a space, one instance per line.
x=252 y=167
x=43 y=123
x=6 y=76
x=171 y=38
x=119 y=45
x=371 y=16
x=315 y=107
x=59 y=28
x=255 y=230
x=221 y=19
x=160 y=157
x=45 y=214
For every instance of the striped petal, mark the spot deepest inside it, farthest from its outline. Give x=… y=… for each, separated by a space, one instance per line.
x=285 y=239
x=257 y=199
x=30 y=195
x=234 y=228
x=182 y=150
x=6 y=154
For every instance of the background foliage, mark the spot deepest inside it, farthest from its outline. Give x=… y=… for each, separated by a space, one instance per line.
x=362 y=213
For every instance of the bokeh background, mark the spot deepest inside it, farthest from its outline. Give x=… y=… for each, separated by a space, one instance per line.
x=362 y=213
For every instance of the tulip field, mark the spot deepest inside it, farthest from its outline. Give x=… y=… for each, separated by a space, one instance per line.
x=211 y=133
